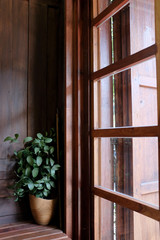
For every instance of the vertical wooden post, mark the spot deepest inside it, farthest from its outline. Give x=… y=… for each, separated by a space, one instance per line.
x=77 y=120
x=68 y=116
x=59 y=178
x=157 y=33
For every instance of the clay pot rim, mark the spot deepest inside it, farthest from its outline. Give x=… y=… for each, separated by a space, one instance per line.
x=49 y=199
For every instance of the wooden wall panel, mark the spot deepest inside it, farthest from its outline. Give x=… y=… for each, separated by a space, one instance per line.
x=13 y=93
x=29 y=65
x=43 y=73
x=52 y=66
x=37 y=68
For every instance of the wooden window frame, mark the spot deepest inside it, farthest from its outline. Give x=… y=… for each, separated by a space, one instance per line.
x=148 y=131
x=77 y=119
x=79 y=169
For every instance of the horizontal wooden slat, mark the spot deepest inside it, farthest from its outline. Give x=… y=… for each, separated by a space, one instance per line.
x=126 y=132
x=15 y=226
x=109 y=12
x=29 y=231
x=149 y=187
x=128 y=202
x=48 y=236
x=125 y=63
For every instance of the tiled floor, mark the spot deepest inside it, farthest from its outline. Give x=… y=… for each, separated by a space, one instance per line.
x=30 y=231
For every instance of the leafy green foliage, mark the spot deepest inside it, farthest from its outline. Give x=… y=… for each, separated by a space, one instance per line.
x=15 y=139
x=36 y=165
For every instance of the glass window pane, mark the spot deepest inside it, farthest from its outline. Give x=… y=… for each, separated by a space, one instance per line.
x=99 y=6
x=142 y=24
x=113 y=222
x=115 y=38
x=128 y=98
x=128 y=165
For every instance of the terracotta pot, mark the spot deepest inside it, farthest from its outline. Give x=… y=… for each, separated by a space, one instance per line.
x=42 y=209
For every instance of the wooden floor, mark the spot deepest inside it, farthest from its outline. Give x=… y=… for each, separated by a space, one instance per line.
x=30 y=231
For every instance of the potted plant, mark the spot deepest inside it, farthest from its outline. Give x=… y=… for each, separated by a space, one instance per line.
x=36 y=173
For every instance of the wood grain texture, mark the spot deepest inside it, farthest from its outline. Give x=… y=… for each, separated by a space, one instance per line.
x=53 y=56
x=53 y=3
x=9 y=207
x=85 y=119
x=37 y=71
x=68 y=115
x=125 y=63
x=29 y=65
x=28 y=231
x=76 y=146
x=116 y=6
x=6 y=168
x=13 y=94
x=11 y=218
x=126 y=132
x=13 y=72
x=128 y=202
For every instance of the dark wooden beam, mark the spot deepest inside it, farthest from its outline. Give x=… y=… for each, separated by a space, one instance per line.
x=125 y=63
x=116 y=6
x=152 y=131
x=128 y=202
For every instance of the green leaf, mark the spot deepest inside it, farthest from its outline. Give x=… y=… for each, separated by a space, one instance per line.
x=37 y=141
x=36 y=150
x=19 y=170
x=15 y=153
x=56 y=166
x=8 y=139
x=47 y=161
x=20 y=190
x=27 y=139
x=52 y=184
x=52 y=172
x=39 y=135
x=19 y=154
x=45 y=192
x=35 y=172
x=40 y=187
x=46 y=148
x=48 y=186
x=16 y=135
x=30 y=186
x=48 y=140
x=51 y=150
x=48 y=168
x=39 y=160
x=30 y=160
x=28 y=171
x=40 y=181
x=51 y=161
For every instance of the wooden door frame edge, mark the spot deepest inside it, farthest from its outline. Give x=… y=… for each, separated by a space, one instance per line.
x=77 y=119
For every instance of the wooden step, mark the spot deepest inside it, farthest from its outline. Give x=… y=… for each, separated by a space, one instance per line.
x=30 y=231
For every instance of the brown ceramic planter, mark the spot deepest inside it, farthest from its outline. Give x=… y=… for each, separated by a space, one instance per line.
x=42 y=209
